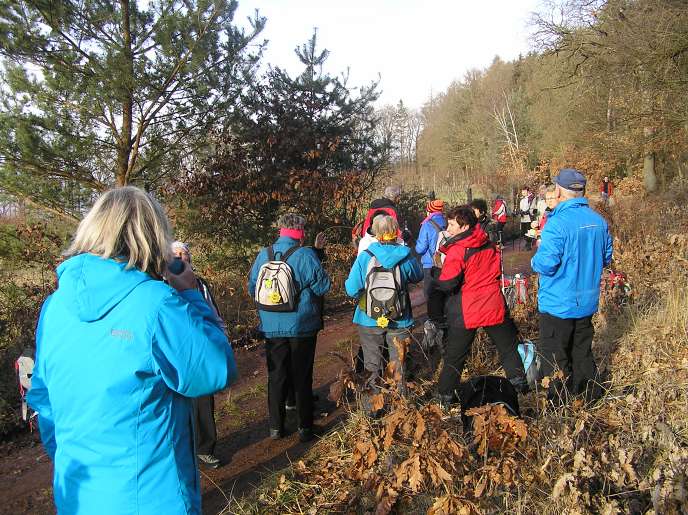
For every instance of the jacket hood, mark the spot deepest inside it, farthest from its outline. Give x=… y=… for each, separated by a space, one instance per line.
x=389 y=255
x=94 y=285
x=572 y=203
x=472 y=238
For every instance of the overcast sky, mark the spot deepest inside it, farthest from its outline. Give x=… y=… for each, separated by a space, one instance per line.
x=416 y=47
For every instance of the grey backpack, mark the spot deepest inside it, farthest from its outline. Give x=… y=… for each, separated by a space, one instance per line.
x=276 y=288
x=384 y=291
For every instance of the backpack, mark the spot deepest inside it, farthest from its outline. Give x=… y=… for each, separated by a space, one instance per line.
x=531 y=361
x=442 y=236
x=24 y=369
x=365 y=225
x=483 y=390
x=275 y=288
x=384 y=293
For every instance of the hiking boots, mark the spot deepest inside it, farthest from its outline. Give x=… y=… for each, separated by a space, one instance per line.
x=209 y=460
x=446 y=401
x=305 y=434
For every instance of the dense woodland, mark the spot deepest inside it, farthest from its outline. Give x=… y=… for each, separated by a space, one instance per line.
x=175 y=97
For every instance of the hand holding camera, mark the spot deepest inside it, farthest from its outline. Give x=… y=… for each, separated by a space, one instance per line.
x=180 y=275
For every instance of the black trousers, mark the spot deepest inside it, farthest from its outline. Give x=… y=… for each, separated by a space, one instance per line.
x=459 y=341
x=499 y=231
x=290 y=361
x=427 y=282
x=525 y=227
x=206 y=433
x=566 y=344
x=436 y=299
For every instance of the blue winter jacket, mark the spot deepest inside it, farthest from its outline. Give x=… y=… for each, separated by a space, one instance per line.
x=389 y=256
x=574 y=249
x=118 y=356
x=312 y=282
x=427 y=239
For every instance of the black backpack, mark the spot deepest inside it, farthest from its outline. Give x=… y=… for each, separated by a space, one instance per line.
x=483 y=390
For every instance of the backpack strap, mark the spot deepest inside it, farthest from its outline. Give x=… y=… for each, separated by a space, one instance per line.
x=283 y=255
x=435 y=225
x=474 y=250
x=289 y=252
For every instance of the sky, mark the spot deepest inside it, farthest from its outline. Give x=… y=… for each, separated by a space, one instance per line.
x=416 y=48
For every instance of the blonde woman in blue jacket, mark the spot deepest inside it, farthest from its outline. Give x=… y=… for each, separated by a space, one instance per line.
x=374 y=334
x=120 y=355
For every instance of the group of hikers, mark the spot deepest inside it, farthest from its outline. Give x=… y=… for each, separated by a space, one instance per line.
x=131 y=346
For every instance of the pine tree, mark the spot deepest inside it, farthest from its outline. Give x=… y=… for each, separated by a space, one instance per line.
x=306 y=143
x=96 y=92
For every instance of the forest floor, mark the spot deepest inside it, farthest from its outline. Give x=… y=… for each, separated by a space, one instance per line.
x=244 y=447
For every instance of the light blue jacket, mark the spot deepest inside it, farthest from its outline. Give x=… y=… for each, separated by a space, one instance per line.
x=389 y=256
x=427 y=239
x=118 y=356
x=574 y=249
x=312 y=282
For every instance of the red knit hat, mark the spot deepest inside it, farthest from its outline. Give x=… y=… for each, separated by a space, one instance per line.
x=435 y=206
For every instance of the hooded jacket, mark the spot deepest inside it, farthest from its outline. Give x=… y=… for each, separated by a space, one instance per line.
x=312 y=282
x=119 y=354
x=427 y=238
x=389 y=256
x=575 y=246
x=471 y=275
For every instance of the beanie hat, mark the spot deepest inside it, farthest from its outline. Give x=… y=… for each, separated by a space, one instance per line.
x=435 y=206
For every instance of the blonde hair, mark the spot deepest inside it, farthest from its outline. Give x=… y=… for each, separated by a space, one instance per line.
x=129 y=225
x=385 y=228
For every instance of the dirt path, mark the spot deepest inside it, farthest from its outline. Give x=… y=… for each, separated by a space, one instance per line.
x=246 y=451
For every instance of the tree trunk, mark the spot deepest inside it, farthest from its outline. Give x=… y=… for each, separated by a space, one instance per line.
x=123 y=173
x=649 y=175
x=610 y=112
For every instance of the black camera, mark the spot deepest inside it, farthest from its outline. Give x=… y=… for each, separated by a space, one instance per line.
x=176 y=266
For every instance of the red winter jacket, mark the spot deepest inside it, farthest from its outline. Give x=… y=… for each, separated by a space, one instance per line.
x=473 y=266
x=610 y=188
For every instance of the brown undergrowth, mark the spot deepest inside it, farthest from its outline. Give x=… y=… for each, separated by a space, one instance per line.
x=626 y=453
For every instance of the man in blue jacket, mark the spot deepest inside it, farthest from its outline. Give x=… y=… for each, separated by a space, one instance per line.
x=575 y=247
x=291 y=335
x=426 y=245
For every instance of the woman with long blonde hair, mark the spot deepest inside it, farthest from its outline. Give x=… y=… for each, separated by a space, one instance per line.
x=120 y=354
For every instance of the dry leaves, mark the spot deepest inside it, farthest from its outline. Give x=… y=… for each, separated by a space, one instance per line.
x=495 y=429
